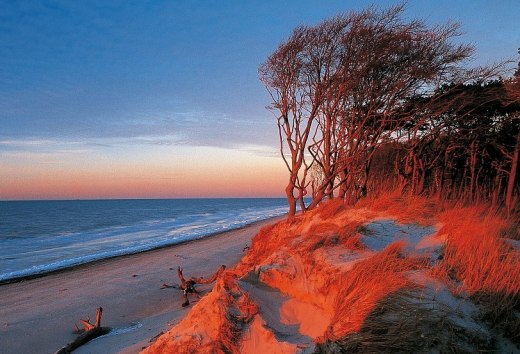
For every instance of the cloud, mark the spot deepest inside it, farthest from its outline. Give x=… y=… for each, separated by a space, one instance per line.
x=85 y=72
x=38 y=157
x=158 y=121
x=168 y=125
x=205 y=128
x=22 y=143
x=260 y=150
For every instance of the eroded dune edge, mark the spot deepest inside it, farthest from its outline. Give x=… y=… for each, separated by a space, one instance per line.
x=390 y=274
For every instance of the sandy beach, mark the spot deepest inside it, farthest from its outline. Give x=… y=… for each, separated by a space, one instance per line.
x=38 y=315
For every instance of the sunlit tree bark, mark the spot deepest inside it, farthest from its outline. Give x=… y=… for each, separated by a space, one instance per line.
x=338 y=91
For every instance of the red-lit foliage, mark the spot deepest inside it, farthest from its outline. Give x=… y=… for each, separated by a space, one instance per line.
x=331 y=208
x=366 y=284
x=319 y=261
x=479 y=262
x=409 y=209
x=475 y=253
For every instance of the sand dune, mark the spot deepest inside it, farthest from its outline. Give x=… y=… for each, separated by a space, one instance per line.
x=363 y=279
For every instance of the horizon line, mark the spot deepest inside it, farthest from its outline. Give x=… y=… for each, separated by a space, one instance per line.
x=130 y=198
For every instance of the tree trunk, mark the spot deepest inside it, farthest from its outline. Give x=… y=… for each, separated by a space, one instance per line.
x=343 y=187
x=317 y=199
x=421 y=181
x=497 y=189
x=512 y=176
x=415 y=176
x=291 y=200
x=92 y=331
x=440 y=182
x=364 y=183
x=301 y=200
x=473 y=168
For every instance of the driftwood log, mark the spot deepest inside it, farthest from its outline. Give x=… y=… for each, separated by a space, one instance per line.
x=89 y=332
x=188 y=286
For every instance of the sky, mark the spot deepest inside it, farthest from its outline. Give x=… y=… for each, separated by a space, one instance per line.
x=161 y=99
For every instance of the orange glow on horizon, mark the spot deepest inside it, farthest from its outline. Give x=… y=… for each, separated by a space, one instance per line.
x=110 y=187
x=232 y=174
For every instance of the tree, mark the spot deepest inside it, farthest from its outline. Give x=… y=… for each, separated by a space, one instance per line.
x=469 y=151
x=339 y=90
x=296 y=102
x=513 y=95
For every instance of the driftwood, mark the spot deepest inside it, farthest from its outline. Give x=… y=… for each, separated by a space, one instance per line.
x=90 y=332
x=188 y=286
x=166 y=286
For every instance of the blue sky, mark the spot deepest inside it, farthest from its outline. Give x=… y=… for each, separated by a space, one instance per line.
x=89 y=81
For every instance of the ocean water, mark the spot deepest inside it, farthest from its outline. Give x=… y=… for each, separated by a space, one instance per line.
x=41 y=236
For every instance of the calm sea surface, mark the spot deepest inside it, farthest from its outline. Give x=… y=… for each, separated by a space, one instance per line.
x=42 y=236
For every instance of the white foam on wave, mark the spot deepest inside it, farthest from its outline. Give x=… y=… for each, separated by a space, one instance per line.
x=39 y=256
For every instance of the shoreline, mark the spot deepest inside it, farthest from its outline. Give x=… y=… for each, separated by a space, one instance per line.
x=40 y=312
x=23 y=278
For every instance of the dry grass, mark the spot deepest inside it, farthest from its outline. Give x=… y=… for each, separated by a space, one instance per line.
x=352 y=241
x=329 y=234
x=475 y=253
x=214 y=325
x=405 y=209
x=240 y=311
x=403 y=323
x=476 y=259
x=318 y=258
x=264 y=244
x=366 y=284
x=330 y=209
x=482 y=264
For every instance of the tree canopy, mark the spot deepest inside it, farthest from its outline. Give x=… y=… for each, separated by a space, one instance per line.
x=356 y=82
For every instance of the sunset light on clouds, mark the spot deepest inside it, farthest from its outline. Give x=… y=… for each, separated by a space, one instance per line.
x=161 y=99
x=139 y=171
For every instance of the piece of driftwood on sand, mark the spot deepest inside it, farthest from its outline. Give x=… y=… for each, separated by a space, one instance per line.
x=188 y=286
x=90 y=332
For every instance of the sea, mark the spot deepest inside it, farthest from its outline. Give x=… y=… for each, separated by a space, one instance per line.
x=37 y=237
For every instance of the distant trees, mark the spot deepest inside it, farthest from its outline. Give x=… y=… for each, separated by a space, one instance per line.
x=513 y=94
x=352 y=83
x=468 y=151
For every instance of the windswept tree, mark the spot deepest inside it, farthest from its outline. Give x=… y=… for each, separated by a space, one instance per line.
x=341 y=88
x=513 y=98
x=297 y=100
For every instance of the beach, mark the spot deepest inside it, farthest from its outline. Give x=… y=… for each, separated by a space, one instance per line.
x=38 y=315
